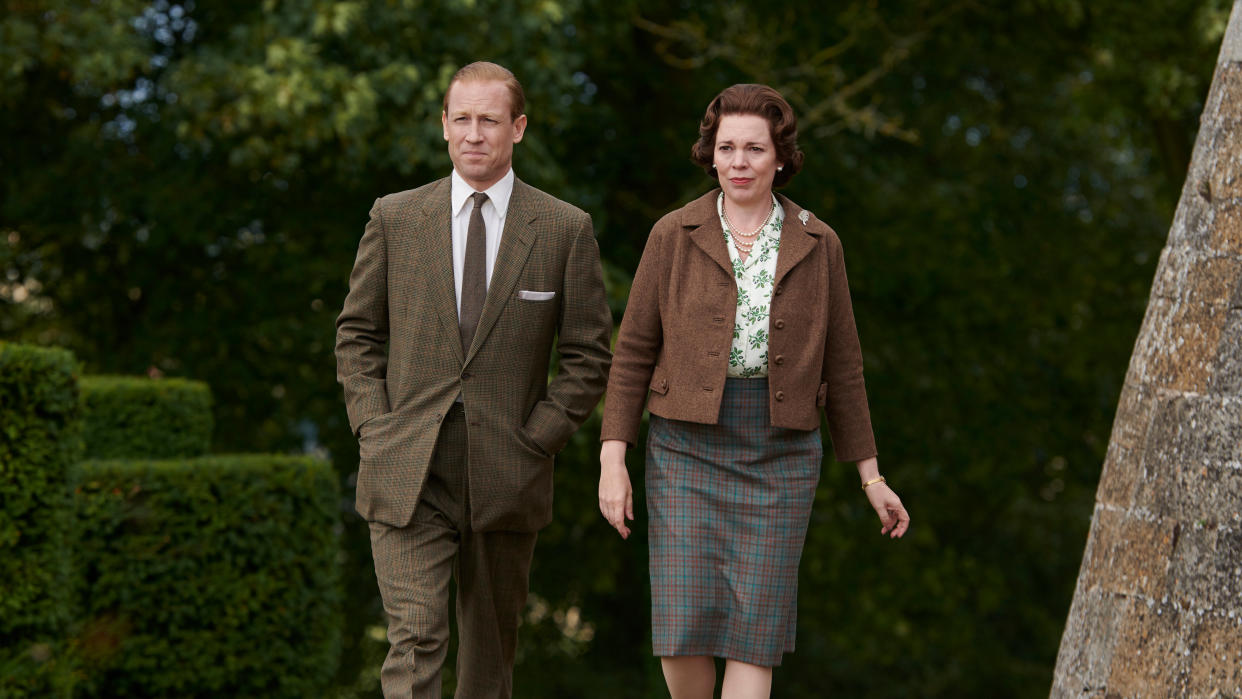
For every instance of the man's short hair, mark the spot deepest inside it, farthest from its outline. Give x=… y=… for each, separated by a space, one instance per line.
x=482 y=71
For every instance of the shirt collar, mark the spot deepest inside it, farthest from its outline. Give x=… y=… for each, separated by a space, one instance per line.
x=498 y=194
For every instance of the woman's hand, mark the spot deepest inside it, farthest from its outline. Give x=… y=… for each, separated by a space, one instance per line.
x=885 y=502
x=888 y=506
x=616 y=499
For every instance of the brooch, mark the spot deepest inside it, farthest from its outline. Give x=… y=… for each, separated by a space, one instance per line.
x=804 y=216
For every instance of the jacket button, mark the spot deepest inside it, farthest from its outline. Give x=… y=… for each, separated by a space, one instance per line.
x=465 y=374
x=780 y=396
x=780 y=359
x=779 y=289
x=663 y=383
x=779 y=324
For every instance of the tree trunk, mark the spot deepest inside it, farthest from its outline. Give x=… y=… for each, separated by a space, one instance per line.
x=1158 y=607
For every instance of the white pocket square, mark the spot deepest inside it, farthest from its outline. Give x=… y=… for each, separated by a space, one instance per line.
x=536 y=295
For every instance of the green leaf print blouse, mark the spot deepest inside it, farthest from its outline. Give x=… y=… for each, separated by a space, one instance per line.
x=748 y=357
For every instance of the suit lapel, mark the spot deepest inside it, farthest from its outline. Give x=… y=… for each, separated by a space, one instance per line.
x=515 y=244
x=436 y=232
x=796 y=240
x=708 y=234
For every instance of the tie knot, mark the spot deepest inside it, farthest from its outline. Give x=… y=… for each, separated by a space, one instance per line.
x=479 y=198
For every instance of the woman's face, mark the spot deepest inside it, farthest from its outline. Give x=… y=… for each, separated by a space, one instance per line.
x=745 y=158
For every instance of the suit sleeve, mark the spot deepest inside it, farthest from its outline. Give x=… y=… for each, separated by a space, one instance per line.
x=638 y=348
x=362 y=327
x=583 y=337
x=849 y=419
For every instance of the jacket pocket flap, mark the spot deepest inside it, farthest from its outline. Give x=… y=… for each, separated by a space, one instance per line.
x=821 y=396
x=659 y=383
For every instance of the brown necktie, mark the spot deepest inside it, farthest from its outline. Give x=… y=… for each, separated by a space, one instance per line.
x=473 y=274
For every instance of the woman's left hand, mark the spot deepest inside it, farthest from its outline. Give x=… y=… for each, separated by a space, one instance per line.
x=888 y=506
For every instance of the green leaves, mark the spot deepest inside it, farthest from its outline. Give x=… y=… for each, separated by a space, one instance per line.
x=38 y=443
x=208 y=575
x=145 y=418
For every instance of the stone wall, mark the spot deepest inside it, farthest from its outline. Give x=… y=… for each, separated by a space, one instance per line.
x=1157 y=611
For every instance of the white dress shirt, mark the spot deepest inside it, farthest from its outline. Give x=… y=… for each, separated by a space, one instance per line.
x=494 y=211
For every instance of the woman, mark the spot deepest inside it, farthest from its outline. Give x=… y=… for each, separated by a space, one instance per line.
x=739 y=326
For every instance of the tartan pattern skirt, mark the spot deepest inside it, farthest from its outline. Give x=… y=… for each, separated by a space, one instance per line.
x=728 y=507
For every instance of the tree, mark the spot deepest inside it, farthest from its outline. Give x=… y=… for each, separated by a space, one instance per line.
x=185 y=184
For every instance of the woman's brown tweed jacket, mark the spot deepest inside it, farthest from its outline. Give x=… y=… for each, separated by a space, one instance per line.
x=678 y=328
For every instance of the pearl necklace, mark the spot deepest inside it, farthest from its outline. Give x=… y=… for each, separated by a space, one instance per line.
x=741 y=239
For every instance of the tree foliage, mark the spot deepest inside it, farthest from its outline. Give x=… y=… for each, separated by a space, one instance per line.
x=185 y=187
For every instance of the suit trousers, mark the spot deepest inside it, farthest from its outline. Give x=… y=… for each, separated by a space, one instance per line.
x=413 y=565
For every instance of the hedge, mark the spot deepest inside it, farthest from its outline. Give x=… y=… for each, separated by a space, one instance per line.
x=138 y=418
x=208 y=577
x=38 y=442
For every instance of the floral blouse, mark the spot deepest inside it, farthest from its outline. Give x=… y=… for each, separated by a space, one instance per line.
x=748 y=357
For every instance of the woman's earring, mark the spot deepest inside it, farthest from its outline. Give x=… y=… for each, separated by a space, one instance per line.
x=780 y=167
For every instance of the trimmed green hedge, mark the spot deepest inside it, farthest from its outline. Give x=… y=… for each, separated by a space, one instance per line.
x=128 y=417
x=38 y=442
x=208 y=577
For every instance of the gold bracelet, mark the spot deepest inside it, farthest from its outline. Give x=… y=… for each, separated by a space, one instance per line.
x=873 y=481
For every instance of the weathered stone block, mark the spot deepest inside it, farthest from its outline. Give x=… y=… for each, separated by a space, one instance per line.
x=1225 y=97
x=1148 y=660
x=1122 y=468
x=1179 y=347
x=1193 y=569
x=1086 y=654
x=1227 y=374
x=1134 y=413
x=1226 y=177
x=1130 y=553
x=1216 y=663
x=1228 y=585
x=1213 y=279
x=1158 y=315
x=1226 y=229
x=1191 y=461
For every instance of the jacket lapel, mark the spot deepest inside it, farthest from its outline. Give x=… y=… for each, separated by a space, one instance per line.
x=708 y=234
x=515 y=244
x=436 y=231
x=798 y=236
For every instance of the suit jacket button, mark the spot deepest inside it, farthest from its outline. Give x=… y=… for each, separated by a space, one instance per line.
x=779 y=289
x=439 y=417
x=465 y=374
x=663 y=383
x=780 y=396
x=779 y=324
x=779 y=359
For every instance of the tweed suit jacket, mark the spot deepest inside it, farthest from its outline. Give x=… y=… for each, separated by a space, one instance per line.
x=400 y=360
x=673 y=349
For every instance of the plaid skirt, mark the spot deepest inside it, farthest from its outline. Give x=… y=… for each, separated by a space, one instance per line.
x=728 y=506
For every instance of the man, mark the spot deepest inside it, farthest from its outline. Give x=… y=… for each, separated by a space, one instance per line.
x=443 y=347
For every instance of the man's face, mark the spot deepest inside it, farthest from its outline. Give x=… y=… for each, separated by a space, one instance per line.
x=480 y=132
